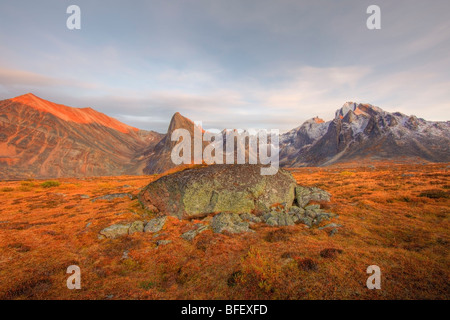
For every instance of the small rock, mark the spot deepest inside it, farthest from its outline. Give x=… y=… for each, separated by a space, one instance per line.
x=57 y=194
x=312 y=207
x=113 y=196
x=408 y=175
x=272 y=221
x=333 y=232
x=207 y=219
x=250 y=217
x=312 y=213
x=306 y=220
x=155 y=225
x=230 y=222
x=281 y=219
x=136 y=226
x=296 y=210
x=84 y=196
x=330 y=225
x=114 y=231
x=284 y=219
x=321 y=217
x=304 y=195
x=163 y=242
x=190 y=235
x=124 y=255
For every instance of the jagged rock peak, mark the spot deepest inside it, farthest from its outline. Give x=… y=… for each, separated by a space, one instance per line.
x=357 y=108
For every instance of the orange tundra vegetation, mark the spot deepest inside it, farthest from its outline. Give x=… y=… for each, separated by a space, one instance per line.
x=392 y=215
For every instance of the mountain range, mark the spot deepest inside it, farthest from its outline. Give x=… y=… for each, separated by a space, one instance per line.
x=363 y=131
x=42 y=139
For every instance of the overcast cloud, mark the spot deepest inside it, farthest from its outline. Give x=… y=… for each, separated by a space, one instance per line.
x=231 y=64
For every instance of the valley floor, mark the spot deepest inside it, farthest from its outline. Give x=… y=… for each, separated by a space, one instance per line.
x=394 y=216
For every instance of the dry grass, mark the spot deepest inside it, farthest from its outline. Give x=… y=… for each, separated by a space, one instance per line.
x=394 y=216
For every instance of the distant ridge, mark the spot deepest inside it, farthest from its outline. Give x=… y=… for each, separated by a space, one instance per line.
x=42 y=139
x=78 y=115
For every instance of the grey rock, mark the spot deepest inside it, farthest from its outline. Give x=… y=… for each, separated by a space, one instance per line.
x=312 y=207
x=114 y=231
x=281 y=219
x=330 y=225
x=296 y=210
x=230 y=222
x=266 y=216
x=272 y=221
x=190 y=235
x=163 y=242
x=284 y=219
x=113 y=196
x=312 y=213
x=136 y=226
x=306 y=220
x=304 y=195
x=323 y=216
x=155 y=225
x=407 y=175
x=333 y=232
x=250 y=217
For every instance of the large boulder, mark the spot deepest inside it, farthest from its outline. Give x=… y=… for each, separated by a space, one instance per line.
x=236 y=189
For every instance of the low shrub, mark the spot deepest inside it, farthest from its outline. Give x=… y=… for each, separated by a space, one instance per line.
x=435 y=194
x=50 y=184
x=307 y=264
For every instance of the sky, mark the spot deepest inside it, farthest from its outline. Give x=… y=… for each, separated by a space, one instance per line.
x=230 y=64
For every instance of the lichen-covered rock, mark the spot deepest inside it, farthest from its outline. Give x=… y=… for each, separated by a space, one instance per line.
x=113 y=196
x=114 y=231
x=191 y=234
x=136 y=226
x=236 y=188
x=276 y=218
x=250 y=217
x=296 y=210
x=162 y=242
x=284 y=219
x=304 y=195
x=155 y=225
x=230 y=222
x=330 y=225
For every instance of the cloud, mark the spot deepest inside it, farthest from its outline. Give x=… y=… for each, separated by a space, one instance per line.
x=12 y=77
x=260 y=64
